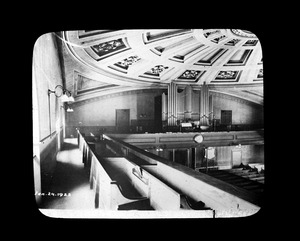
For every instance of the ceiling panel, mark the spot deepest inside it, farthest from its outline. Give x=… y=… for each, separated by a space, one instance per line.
x=226 y=58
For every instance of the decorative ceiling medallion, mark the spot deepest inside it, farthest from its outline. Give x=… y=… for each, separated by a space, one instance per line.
x=211 y=57
x=155 y=72
x=109 y=48
x=260 y=75
x=211 y=32
x=227 y=76
x=243 y=33
x=251 y=42
x=239 y=58
x=218 y=39
x=190 y=76
x=233 y=42
x=124 y=64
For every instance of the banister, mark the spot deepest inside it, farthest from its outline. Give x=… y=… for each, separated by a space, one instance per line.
x=253 y=198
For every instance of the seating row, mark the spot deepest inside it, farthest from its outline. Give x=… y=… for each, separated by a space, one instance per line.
x=130 y=178
x=119 y=183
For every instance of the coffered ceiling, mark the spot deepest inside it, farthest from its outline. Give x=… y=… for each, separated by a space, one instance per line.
x=99 y=62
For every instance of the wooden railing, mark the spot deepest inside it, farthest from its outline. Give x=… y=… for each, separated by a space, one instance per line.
x=118 y=182
x=187 y=139
x=165 y=185
x=214 y=193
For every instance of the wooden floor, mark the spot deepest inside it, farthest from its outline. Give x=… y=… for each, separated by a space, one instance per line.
x=70 y=188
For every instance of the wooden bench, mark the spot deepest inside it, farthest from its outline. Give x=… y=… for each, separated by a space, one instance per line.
x=119 y=183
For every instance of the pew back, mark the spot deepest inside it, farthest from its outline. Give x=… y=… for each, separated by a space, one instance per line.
x=136 y=180
x=215 y=193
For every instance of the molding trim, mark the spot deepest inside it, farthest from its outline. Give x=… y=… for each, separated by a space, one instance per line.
x=233 y=97
x=120 y=92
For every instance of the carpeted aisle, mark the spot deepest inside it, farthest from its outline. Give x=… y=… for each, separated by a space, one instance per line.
x=70 y=188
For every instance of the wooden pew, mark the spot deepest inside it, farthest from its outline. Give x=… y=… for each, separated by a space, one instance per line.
x=108 y=178
x=215 y=193
x=118 y=182
x=204 y=190
x=159 y=192
x=109 y=186
x=162 y=197
x=185 y=201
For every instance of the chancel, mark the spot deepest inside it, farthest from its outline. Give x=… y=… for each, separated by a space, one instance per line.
x=155 y=120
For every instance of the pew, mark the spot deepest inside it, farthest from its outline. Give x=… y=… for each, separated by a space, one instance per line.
x=162 y=197
x=121 y=183
x=111 y=190
x=110 y=187
x=153 y=182
x=216 y=194
x=185 y=201
x=117 y=183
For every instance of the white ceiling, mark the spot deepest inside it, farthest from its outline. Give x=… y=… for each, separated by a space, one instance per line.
x=98 y=62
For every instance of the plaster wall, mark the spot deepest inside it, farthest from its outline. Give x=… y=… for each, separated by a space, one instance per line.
x=242 y=112
x=102 y=112
x=47 y=112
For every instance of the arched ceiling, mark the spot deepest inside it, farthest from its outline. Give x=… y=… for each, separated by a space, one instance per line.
x=103 y=61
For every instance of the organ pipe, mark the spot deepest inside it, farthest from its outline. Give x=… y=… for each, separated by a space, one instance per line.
x=204 y=105
x=164 y=110
x=172 y=104
x=188 y=102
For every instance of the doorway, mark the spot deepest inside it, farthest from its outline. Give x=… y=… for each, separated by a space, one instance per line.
x=236 y=157
x=226 y=117
x=122 y=120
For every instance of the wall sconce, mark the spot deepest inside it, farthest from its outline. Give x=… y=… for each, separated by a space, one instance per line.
x=68 y=109
x=60 y=91
x=158 y=148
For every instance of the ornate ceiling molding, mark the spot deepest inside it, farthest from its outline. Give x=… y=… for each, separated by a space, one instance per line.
x=184 y=50
x=137 y=59
x=118 y=91
x=233 y=97
x=243 y=33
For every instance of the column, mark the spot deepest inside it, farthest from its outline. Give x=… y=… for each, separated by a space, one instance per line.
x=194 y=157
x=189 y=158
x=204 y=105
x=188 y=102
x=173 y=155
x=172 y=104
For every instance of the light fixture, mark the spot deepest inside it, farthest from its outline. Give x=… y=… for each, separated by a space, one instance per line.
x=71 y=98
x=60 y=91
x=68 y=109
x=64 y=98
x=158 y=148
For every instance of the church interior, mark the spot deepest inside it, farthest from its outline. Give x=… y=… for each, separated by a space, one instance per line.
x=148 y=122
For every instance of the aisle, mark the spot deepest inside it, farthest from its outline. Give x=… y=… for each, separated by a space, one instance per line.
x=70 y=187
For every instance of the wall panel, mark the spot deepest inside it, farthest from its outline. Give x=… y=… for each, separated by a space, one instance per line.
x=46 y=72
